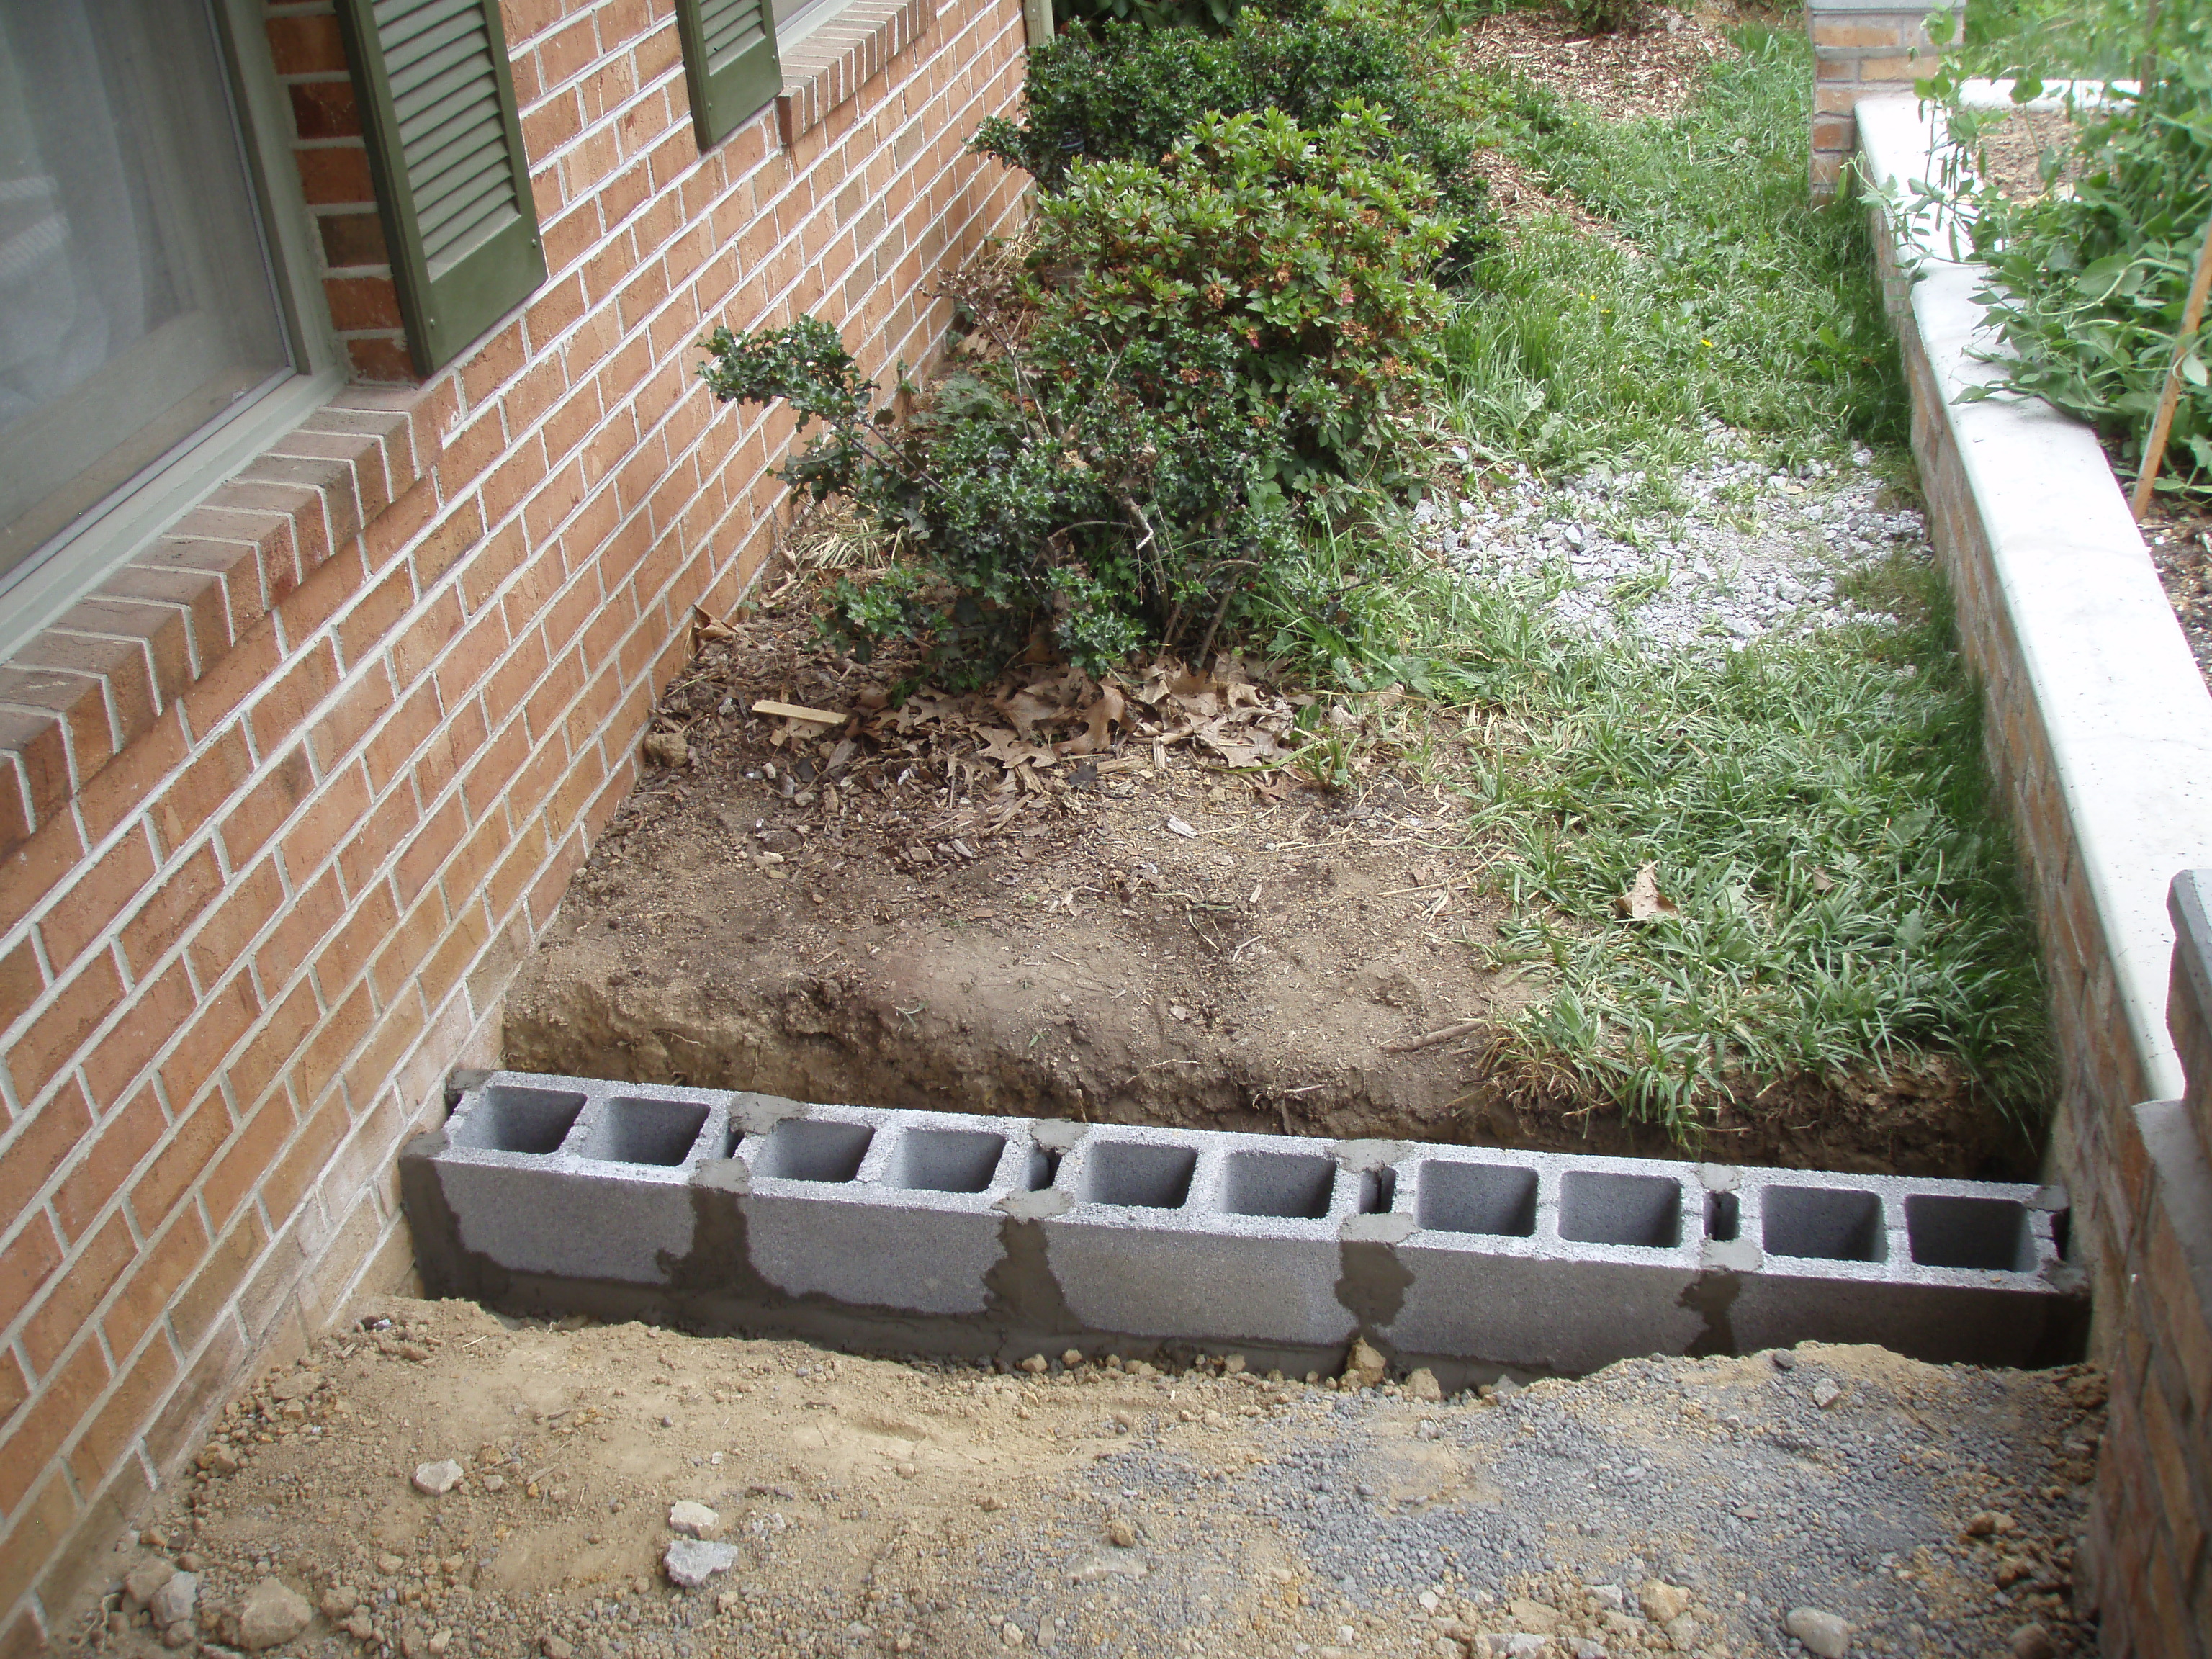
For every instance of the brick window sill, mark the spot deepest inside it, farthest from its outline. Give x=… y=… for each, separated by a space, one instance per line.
x=831 y=65
x=176 y=632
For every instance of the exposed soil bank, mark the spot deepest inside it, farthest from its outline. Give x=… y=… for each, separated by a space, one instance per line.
x=1271 y=969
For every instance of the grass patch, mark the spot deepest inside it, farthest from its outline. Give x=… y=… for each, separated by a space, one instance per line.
x=1817 y=809
x=1818 y=814
x=1723 y=295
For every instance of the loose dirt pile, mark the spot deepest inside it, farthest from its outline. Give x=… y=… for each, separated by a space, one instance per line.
x=873 y=1506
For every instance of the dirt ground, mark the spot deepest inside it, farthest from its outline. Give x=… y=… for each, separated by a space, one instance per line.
x=881 y=1506
x=876 y=911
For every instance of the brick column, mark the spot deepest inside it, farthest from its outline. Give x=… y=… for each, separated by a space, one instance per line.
x=1861 y=49
x=2149 y=1568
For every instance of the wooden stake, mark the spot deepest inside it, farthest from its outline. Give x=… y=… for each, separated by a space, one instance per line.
x=2192 y=313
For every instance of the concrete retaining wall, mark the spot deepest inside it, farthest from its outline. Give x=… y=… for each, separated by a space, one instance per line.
x=2100 y=730
x=999 y=1236
x=2100 y=735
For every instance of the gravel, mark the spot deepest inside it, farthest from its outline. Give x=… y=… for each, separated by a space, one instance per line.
x=1712 y=556
x=1661 y=1506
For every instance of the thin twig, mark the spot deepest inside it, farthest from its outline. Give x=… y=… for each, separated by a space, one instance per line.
x=1458 y=1028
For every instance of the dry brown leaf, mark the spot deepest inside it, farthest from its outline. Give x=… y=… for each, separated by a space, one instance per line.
x=1027 y=710
x=1011 y=750
x=1101 y=717
x=1643 y=902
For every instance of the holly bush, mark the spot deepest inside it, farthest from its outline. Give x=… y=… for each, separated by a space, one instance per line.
x=1223 y=352
x=1122 y=92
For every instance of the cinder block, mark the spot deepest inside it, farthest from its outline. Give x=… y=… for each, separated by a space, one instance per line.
x=1193 y=1235
x=993 y=1235
x=574 y=1178
x=890 y=1210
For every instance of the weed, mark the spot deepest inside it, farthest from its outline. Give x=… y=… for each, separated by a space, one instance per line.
x=2087 y=283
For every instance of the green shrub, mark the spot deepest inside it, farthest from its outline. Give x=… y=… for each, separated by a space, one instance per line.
x=2089 y=283
x=1214 y=14
x=1600 y=16
x=1224 y=351
x=1129 y=94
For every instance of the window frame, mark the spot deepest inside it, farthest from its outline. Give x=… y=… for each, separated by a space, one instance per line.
x=108 y=535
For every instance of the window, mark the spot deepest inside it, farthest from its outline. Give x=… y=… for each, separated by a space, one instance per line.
x=137 y=303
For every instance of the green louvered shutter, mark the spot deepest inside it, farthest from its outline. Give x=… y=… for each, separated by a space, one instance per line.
x=452 y=180
x=729 y=63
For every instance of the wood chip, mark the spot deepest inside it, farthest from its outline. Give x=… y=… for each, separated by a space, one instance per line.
x=793 y=711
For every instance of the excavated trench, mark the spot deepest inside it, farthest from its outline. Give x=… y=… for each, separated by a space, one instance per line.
x=1299 y=962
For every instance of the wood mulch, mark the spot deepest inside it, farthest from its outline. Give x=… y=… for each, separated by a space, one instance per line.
x=1648 y=69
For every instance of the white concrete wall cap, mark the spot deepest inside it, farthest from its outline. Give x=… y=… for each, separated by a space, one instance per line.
x=2123 y=707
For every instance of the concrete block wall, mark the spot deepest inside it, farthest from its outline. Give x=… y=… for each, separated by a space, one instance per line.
x=1861 y=49
x=284 y=804
x=909 y=1231
x=2150 y=1564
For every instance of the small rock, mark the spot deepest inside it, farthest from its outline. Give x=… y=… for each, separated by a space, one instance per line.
x=2032 y=1642
x=693 y=1520
x=1365 y=1366
x=1784 y=1359
x=1986 y=1522
x=1682 y=1631
x=666 y=748
x=359 y=1627
x=728 y=1602
x=692 y=1562
x=1608 y=1596
x=1827 y=1392
x=142 y=1580
x=176 y=1600
x=1423 y=1385
x=1822 y=1633
x=1037 y=1364
x=274 y=1613
x=1583 y=1648
x=1663 y=1602
x=390 y=1564
x=1072 y=1358
x=1533 y=1615
x=1011 y=1633
x=440 y=1642
x=217 y=1458
x=1120 y=1534
x=179 y=1635
x=552 y=1647
x=436 y=1479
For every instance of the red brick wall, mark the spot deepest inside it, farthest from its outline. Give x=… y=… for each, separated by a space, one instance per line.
x=283 y=805
x=2150 y=1531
